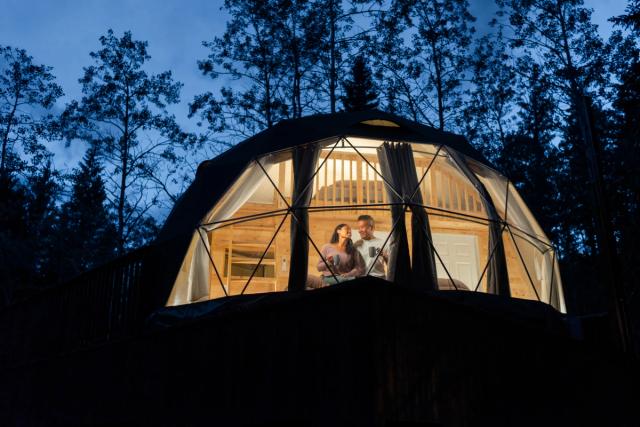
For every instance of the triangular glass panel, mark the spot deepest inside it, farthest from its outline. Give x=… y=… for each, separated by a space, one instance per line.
x=530 y=264
x=258 y=191
x=507 y=200
x=369 y=238
x=348 y=177
x=536 y=262
x=462 y=250
x=443 y=186
x=252 y=255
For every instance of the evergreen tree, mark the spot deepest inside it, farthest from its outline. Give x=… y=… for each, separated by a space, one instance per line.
x=359 y=90
x=528 y=156
x=489 y=109
x=299 y=30
x=15 y=268
x=561 y=34
x=123 y=113
x=28 y=185
x=578 y=238
x=630 y=19
x=27 y=213
x=343 y=38
x=624 y=66
x=44 y=191
x=85 y=231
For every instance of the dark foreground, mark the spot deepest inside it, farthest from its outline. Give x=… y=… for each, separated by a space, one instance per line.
x=365 y=353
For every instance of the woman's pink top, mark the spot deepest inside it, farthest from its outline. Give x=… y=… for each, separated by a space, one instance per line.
x=342 y=268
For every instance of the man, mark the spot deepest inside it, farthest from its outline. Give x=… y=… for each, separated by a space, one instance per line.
x=370 y=246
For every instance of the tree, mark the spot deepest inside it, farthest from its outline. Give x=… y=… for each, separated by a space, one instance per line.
x=26 y=217
x=624 y=68
x=123 y=115
x=28 y=184
x=359 y=90
x=424 y=53
x=528 y=156
x=14 y=265
x=299 y=30
x=26 y=89
x=341 y=37
x=41 y=210
x=248 y=53
x=565 y=39
x=85 y=231
x=489 y=110
x=631 y=19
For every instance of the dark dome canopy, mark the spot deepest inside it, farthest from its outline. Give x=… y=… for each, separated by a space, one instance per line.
x=214 y=176
x=429 y=210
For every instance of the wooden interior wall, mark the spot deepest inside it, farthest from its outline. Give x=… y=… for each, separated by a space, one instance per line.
x=346 y=179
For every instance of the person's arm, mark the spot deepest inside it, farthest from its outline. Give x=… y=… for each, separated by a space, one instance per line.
x=322 y=266
x=358 y=266
x=385 y=254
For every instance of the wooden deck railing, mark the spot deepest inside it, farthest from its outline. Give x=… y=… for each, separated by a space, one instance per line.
x=98 y=306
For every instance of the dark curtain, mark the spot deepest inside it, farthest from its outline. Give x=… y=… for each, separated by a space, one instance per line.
x=497 y=276
x=398 y=167
x=305 y=161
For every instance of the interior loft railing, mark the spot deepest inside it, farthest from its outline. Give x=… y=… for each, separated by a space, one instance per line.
x=346 y=179
x=96 y=307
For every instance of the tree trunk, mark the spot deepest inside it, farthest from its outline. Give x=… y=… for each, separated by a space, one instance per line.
x=604 y=231
x=5 y=140
x=267 y=100
x=124 y=155
x=437 y=66
x=332 y=60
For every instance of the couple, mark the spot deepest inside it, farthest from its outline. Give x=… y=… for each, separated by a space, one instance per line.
x=348 y=260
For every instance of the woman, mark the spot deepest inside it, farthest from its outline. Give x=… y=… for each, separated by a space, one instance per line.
x=340 y=258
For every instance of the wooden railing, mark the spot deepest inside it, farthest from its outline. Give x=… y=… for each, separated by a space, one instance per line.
x=98 y=306
x=347 y=179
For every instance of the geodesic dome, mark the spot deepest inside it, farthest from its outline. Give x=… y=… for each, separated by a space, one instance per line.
x=257 y=215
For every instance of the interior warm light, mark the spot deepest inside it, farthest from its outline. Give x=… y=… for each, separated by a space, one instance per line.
x=244 y=243
x=378 y=122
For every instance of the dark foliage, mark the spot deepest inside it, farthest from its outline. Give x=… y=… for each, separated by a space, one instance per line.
x=359 y=89
x=123 y=114
x=85 y=234
x=543 y=96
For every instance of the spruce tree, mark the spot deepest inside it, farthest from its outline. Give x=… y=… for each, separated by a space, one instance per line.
x=624 y=66
x=14 y=265
x=43 y=193
x=359 y=90
x=562 y=37
x=487 y=116
x=86 y=234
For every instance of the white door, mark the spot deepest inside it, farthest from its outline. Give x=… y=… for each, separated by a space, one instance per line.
x=459 y=252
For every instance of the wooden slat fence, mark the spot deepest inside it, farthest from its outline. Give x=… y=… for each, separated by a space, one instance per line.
x=94 y=308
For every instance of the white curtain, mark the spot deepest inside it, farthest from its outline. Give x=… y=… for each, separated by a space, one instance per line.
x=192 y=283
x=240 y=192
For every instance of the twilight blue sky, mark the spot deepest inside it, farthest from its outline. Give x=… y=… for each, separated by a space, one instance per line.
x=61 y=33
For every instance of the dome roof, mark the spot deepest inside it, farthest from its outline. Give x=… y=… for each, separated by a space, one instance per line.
x=214 y=176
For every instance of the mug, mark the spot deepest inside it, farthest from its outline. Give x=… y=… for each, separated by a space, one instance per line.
x=373 y=252
x=336 y=260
